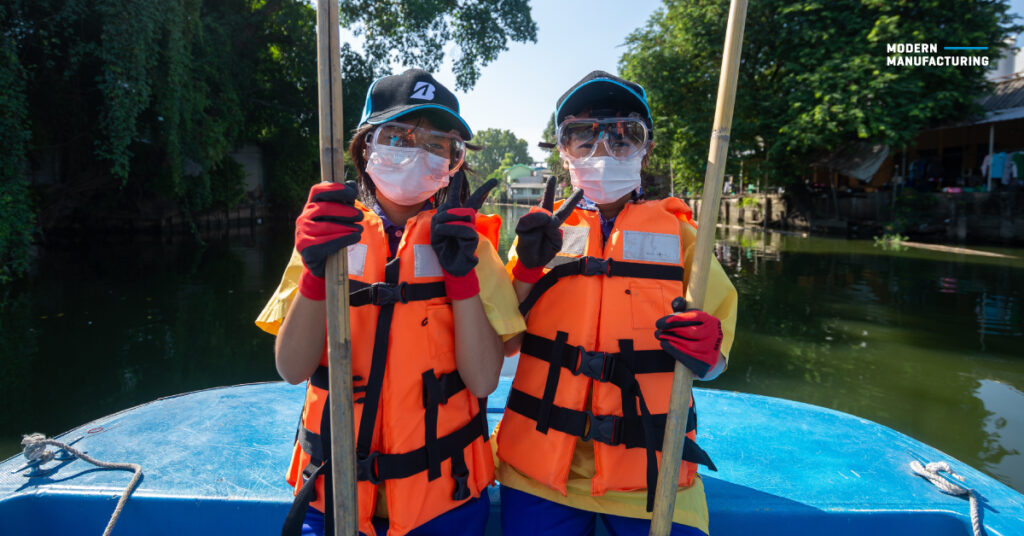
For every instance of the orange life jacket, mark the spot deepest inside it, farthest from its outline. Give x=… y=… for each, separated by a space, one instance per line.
x=419 y=431
x=590 y=365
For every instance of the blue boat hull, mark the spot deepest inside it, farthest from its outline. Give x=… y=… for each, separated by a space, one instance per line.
x=214 y=462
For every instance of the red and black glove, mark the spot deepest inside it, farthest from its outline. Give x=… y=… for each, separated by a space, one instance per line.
x=328 y=223
x=540 y=238
x=454 y=238
x=692 y=337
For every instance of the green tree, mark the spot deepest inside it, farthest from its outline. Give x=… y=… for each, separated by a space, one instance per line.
x=16 y=216
x=554 y=159
x=135 y=105
x=496 y=145
x=813 y=77
x=415 y=33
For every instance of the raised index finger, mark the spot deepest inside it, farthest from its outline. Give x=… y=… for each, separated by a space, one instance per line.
x=548 y=201
x=476 y=200
x=454 y=190
x=566 y=208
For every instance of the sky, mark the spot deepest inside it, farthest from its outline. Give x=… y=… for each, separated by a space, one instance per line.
x=518 y=91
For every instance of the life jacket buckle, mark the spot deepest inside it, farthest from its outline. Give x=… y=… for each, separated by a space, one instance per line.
x=387 y=294
x=594 y=266
x=461 y=479
x=367 y=469
x=596 y=365
x=605 y=429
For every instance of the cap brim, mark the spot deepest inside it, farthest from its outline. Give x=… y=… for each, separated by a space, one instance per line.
x=602 y=93
x=443 y=117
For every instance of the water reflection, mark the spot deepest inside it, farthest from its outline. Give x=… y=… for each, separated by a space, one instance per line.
x=1005 y=428
x=101 y=329
x=908 y=339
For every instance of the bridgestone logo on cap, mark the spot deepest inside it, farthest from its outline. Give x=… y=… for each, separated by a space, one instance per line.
x=423 y=90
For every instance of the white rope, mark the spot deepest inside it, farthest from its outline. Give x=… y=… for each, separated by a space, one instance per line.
x=35 y=451
x=931 y=473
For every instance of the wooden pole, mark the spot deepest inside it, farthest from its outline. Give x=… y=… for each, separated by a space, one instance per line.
x=675 y=427
x=339 y=344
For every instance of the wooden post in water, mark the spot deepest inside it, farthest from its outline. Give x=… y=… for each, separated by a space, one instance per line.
x=675 y=427
x=339 y=343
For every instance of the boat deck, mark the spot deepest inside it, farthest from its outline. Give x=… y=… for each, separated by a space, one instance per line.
x=214 y=461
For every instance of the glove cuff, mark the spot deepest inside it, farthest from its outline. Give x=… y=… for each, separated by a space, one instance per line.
x=461 y=287
x=527 y=275
x=311 y=286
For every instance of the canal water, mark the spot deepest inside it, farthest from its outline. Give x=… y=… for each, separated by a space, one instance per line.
x=928 y=343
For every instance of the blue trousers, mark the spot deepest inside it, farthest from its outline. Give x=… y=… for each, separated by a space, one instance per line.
x=523 y=514
x=469 y=518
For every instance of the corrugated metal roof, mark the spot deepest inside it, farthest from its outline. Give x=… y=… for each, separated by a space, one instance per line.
x=1007 y=94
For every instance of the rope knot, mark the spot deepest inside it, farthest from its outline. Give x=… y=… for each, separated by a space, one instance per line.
x=932 y=473
x=35 y=448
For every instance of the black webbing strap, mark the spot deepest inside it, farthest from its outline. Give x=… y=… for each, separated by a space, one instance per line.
x=312 y=444
x=379 y=467
x=632 y=397
x=608 y=429
x=297 y=513
x=615 y=368
x=558 y=347
x=378 y=364
x=436 y=391
x=319 y=379
x=591 y=266
x=460 y=474
x=387 y=293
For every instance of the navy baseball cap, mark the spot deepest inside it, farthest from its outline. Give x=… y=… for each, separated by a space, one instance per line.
x=600 y=91
x=415 y=90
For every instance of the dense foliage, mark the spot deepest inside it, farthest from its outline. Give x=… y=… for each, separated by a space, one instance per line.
x=554 y=159
x=500 y=149
x=16 y=216
x=813 y=77
x=133 y=107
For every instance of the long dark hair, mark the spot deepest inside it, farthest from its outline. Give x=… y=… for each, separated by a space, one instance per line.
x=368 y=190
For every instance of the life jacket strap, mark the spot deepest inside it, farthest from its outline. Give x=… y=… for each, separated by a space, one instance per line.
x=297 y=513
x=611 y=430
x=617 y=368
x=378 y=467
x=319 y=379
x=436 y=391
x=593 y=266
x=385 y=293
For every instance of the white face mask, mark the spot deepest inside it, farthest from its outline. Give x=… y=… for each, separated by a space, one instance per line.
x=604 y=179
x=406 y=175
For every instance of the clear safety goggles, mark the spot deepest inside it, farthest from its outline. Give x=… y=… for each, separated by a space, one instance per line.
x=622 y=137
x=447 y=145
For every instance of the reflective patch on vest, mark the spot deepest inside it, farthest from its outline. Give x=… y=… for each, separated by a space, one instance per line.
x=574 y=244
x=356 y=259
x=426 y=264
x=574 y=239
x=650 y=247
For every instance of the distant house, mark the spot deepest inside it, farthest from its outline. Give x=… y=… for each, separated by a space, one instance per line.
x=951 y=157
x=526 y=183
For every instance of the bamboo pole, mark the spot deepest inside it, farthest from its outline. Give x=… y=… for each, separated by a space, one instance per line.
x=339 y=344
x=675 y=427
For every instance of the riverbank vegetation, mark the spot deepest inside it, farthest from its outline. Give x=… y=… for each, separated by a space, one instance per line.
x=814 y=79
x=129 y=108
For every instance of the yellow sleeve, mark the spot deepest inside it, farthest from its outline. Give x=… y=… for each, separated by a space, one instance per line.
x=720 y=299
x=273 y=312
x=497 y=294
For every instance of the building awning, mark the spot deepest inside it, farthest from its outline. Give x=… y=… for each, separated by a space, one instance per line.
x=1005 y=103
x=858 y=160
x=997 y=116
